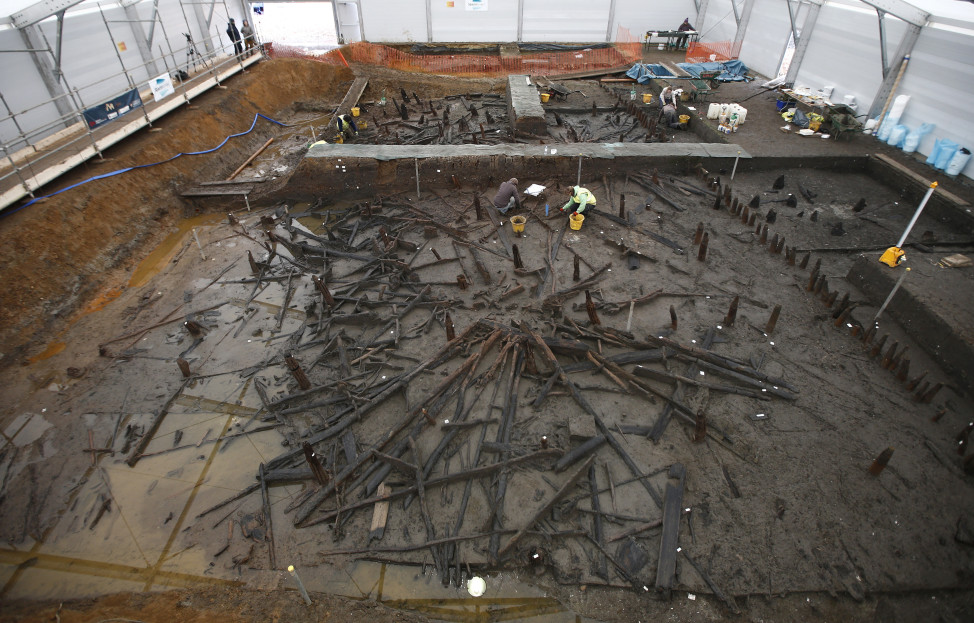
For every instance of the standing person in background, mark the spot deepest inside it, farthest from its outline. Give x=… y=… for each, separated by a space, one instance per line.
x=234 y=35
x=248 y=34
x=669 y=95
x=684 y=27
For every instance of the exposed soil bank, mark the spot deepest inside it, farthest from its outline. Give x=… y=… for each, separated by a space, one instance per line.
x=57 y=253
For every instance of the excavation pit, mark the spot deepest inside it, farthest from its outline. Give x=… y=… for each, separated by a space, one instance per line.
x=793 y=413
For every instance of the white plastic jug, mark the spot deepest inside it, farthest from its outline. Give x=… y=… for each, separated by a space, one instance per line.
x=713 y=111
x=741 y=112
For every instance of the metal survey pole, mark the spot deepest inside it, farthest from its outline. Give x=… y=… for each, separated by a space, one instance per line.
x=304 y=593
x=916 y=215
x=889 y=298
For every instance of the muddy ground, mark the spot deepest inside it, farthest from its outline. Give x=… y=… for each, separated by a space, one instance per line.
x=785 y=519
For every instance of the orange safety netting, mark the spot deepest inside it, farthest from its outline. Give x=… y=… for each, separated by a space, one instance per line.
x=331 y=57
x=624 y=51
x=720 y=50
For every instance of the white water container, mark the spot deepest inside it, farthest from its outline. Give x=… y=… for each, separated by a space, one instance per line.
x=713 y=111
x=741 y=112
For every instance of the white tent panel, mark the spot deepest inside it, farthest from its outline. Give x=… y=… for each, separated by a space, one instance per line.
x=457 y=23
x=719 y=23
x=844 y=53
x=766 y=38
x=87 y=55
x=23 y=90
x=641 y=18
x=938 y=79
x=400 y=21
x=581 y=21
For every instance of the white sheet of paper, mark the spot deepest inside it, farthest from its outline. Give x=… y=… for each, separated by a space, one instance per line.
x=534 y=190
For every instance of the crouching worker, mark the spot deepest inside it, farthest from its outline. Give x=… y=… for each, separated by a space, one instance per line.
x=346 y=126
x=507 y=196
x=580 y=200
x=672 y=118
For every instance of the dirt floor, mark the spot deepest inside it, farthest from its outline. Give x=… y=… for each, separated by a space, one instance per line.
x=781 y=519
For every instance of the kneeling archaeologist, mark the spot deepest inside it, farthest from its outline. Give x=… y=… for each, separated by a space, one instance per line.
x=581 y=199
x=507 y=196
x=346 y=126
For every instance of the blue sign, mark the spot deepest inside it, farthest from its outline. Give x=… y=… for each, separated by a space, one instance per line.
x=108 y=111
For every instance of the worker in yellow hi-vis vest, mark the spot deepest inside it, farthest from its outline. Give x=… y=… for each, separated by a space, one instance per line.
x=581 y=198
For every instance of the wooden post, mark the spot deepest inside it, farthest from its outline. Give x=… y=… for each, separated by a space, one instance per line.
x=297 y=372
x=732 y=312
x=702 y=254
x=450 y=331
x=590 y=308
x=769 y=328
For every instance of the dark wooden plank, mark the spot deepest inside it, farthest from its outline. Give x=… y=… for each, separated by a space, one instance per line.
x=668 y=542
x=217 y=192
x=544 y=510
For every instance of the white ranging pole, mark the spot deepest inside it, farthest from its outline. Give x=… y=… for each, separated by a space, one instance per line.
x=889 y=298
x=916 y=215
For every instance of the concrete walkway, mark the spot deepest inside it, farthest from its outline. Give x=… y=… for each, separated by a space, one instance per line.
x=563 y=150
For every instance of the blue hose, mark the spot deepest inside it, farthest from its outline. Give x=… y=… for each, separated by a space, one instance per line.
x=142 y=166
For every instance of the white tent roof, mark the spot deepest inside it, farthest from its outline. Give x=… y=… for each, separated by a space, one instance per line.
x=962 y=10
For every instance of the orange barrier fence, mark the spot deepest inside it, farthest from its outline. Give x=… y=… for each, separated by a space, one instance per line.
x=331 y=57
x=624 y=51
x=720 y=51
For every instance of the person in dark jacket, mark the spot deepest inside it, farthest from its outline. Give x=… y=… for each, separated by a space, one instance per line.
x=234 y=35
x=671 y=117
x=684 y=27
x=507 y=196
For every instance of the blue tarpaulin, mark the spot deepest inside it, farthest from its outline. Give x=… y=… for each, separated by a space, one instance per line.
x=644 y=73
x=731 y=71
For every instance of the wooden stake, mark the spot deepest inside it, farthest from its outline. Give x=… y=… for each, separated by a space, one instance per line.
x=769 y=328
x=251 y=159
x=297 y=372
x=879 y=464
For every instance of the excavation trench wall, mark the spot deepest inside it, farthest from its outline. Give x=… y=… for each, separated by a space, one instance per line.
x=361 y=171
x=58 y=253
x=927 y=306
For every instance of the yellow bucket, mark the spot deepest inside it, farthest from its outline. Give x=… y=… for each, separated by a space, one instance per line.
x=684 y=118
x=355 y=111
x=576 y=220
x=362 y=125
x=517 y=222
x=545 y=97
x=647 y=98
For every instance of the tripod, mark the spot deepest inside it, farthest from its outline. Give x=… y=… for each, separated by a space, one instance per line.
x=193 y=58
